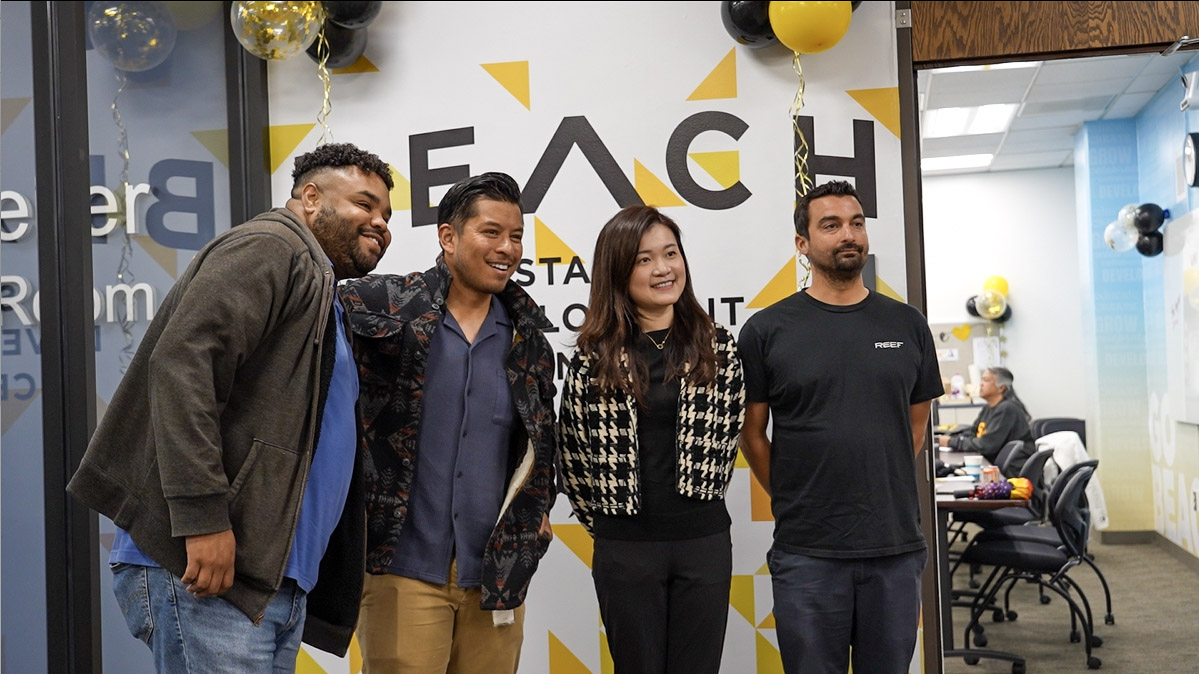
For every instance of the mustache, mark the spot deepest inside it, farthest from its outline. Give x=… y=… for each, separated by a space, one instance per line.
x=849 y=246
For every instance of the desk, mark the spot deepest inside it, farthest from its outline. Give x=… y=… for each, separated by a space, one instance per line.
x=945 y=506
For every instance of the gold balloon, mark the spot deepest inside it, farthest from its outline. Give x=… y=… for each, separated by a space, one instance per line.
x=276 y=30
x=990 y=304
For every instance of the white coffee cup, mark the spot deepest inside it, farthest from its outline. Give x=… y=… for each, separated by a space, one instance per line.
x=973 y=465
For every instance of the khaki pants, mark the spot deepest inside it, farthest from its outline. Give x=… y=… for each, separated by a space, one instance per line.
x=409 y=626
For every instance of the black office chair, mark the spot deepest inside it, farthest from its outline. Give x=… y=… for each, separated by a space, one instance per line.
x=1049 y=536
x=1045 y=426
x=1043 y=563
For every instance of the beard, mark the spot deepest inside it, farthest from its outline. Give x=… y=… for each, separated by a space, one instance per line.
x=339 y=238
x=839 y=269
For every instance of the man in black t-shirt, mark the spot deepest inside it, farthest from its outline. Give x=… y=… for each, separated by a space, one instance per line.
x=847 y=375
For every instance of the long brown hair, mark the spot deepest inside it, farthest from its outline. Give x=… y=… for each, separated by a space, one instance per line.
x=610 y=326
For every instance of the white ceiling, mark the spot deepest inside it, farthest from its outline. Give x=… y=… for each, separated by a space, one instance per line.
x=1055 y=98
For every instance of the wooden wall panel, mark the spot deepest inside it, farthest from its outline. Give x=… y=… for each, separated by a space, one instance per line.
x=982 y=32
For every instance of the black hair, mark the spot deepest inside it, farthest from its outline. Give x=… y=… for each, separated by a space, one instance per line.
x=458 y=204
x=833 y=188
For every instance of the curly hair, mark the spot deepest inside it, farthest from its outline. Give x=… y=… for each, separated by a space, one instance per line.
x=335 y=156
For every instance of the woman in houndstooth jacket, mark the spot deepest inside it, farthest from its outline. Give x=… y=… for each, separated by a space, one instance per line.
x=650 y=418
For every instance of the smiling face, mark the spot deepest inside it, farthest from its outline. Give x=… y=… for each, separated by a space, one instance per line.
x=347 y=212
x=659 y=272
x=483 y=254
x=836 y=244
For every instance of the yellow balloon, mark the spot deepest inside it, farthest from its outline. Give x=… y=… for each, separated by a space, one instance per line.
x=276 y=30
x=996 y=283
x=807 y=27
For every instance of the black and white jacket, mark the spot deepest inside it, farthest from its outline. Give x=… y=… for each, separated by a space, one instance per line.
x=597 y=435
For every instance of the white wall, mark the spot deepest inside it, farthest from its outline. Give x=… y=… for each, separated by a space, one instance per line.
x=1018 y=225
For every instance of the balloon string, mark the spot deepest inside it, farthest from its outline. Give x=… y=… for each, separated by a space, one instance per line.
x=124 y=272
x=803 y=181
x=322 y=70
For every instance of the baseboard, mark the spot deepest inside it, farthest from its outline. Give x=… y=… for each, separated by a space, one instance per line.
x=1128 y=537
x=1191 y=561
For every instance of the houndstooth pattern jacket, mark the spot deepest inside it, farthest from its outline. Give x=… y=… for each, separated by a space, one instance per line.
x=597 y=436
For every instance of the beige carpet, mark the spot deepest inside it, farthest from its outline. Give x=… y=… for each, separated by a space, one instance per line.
x=1155 y=599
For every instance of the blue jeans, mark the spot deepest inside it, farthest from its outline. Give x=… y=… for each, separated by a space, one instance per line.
x=824 y=608
x=207 y=635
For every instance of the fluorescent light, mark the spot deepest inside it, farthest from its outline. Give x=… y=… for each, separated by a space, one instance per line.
x=948 y=122
x=1012 y=65
x=964 y=161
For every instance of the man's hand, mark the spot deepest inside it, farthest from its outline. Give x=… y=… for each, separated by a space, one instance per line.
x=210 y=558
x=943 y=440
x=545 y=529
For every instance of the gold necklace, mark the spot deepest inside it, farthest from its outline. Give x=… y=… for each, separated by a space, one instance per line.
x=664 y=338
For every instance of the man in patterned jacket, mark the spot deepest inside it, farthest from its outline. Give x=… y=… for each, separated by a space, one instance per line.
x=456 y=398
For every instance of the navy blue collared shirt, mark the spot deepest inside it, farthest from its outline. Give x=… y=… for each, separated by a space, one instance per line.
x=463 y=457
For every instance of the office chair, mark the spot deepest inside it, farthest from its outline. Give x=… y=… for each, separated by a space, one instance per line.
x=1009 y=455
x=1049 y=536
x=1043 y=563
x=1047 y=425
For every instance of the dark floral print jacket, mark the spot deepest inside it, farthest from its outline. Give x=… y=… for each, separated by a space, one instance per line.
x=393 y=319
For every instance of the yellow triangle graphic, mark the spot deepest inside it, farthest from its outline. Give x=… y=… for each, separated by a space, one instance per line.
x=881 y=286
x=10 y=109
x=651 y=189
x=741 y=596
x=759 y=502
x=216 y=142
x=724 y=167
x=167 y=258
x=607 y=666
x=362 y=65
x=882 y=103
x=784 y=284
x=577 y=539
x=513 y=76
x=740 y=462
x=562 y=661
x=764 y=571
x=306 y=665
x=401 y=194
x=284 y=139
x=768 y=657
x=355 y=655
x=768 y=622
x=550 y=244
x=721 y=82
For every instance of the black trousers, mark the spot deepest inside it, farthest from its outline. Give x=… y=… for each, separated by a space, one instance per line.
x=665 y=604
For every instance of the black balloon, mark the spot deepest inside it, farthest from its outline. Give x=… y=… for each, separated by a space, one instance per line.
x=1150 y=244
x=352 y=15
x=1149 y=218
x=748 y=22
x=1007 y=313
x=345 y=46
x=970 y=308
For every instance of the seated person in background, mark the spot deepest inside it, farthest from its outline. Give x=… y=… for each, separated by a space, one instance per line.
x=1003 y=419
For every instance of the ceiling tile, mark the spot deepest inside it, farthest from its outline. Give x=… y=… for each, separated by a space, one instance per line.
x=1039 y=140
x=1031 y=160
x=959 y=145
x=1129 y=105
x=1063 y=91
x=1066 y=118
x=960 y=89
x=1069 y=71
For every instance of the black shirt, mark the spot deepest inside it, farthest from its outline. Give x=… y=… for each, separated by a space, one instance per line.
x=665 y=514
x=840 y=382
